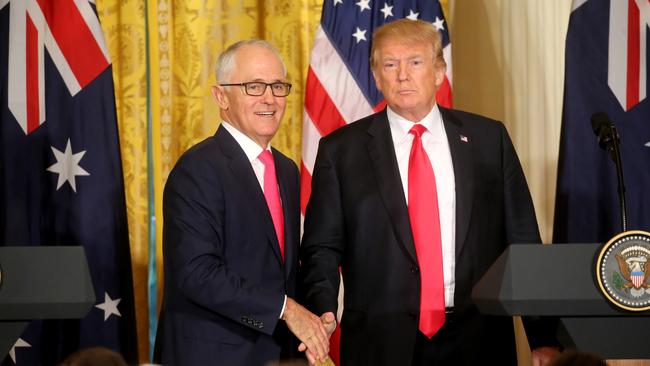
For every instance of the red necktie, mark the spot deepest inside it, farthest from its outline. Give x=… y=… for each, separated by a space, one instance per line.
x=272 y=195
x=425 y=224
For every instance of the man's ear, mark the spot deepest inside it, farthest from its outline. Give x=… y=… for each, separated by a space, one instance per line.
x=374 y=76
x=220 y=97
x=439 y=74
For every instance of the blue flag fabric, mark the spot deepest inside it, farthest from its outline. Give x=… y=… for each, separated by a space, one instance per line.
x=606 y=71
x=60 y=169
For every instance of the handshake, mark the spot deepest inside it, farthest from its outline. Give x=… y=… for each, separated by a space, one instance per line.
x=312 y=331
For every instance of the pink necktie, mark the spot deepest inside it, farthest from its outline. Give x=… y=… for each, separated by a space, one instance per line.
x=425 y=224
x=272 y=195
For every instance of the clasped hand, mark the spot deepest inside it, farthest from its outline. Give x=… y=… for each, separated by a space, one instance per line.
x=312 y=331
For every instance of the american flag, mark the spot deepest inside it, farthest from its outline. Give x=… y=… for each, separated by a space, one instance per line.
x=60 y=169
x=340 y=87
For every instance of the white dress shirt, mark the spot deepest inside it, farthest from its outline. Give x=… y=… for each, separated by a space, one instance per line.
x=436 y=145
x=252 y=151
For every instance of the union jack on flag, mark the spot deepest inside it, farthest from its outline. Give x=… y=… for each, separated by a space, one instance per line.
x=61 y=27
x=60 y=169
x=340 y=86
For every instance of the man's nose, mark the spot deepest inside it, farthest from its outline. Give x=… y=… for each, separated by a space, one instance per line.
x=268 y=97
x=402 y=72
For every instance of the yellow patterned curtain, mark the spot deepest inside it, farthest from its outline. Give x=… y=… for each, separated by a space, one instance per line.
x=184 y=39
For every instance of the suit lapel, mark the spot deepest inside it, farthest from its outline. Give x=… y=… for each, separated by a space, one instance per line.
x=461 y=156
x=288 y=209
x=243 y=171
x=384 y=163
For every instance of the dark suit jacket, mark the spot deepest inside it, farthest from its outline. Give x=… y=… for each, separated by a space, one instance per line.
x=224 y=277
x=357 y=217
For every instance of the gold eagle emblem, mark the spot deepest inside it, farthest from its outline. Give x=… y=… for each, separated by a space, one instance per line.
x=632 y=263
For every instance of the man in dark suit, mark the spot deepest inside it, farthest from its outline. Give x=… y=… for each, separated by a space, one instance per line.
x=414 y=203
x=231 y=229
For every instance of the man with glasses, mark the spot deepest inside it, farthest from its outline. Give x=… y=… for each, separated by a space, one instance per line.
x=231 y=230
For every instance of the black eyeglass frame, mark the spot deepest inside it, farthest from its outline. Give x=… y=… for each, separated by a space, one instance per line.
x=266 y=85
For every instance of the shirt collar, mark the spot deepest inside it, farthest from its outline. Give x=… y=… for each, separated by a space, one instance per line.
x=400 y=126
x=250 y=147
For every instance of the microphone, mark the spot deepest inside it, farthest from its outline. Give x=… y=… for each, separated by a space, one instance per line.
x=606 y=133
x=608 y=140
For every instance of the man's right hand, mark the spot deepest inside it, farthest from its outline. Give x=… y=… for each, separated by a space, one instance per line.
x=329 y=321
x=308 y=328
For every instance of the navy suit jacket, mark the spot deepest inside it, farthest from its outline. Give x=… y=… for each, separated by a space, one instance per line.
x=225 y=280
x=357 y=218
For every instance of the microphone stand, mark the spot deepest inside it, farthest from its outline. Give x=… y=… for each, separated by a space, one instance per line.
x=616 y=156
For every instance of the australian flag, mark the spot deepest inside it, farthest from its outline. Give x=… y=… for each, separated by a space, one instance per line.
x=606 y=71
x=60 y=169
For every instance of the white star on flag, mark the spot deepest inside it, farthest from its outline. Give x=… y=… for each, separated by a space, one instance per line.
x=67 y=166
x=336 y=2
x=438 y=24
x=109 y=306
x=412 y=15
x=19 y=343
x=363 y=4
x=387 y=10
x=359 y=35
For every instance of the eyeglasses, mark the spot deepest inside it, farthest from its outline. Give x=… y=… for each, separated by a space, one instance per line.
x=257 y=88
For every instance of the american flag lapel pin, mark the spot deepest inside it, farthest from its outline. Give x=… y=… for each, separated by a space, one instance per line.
x=463 y=138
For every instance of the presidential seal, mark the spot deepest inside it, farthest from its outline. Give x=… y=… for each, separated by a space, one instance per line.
x=623 y=270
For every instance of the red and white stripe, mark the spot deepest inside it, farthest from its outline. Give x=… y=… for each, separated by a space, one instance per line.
x=637 y=280
x=626 y=69
x=71 y=32
x=333 y=99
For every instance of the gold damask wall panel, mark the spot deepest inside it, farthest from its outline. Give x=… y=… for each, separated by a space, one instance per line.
x=124 y=29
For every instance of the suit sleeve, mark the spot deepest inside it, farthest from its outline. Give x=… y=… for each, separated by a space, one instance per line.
x=193 y=207
x=324 y=237
x=520 y=220
x=521 y=227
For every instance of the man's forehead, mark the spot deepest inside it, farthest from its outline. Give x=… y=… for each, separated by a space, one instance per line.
x=404 y=52
x=263 y=65
x=402 y=45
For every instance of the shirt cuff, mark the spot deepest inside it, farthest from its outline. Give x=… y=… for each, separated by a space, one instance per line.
x=283 y=306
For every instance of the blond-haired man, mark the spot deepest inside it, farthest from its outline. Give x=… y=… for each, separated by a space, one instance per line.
x=414 y=203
